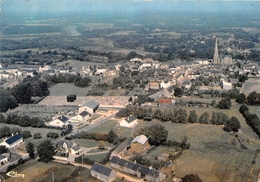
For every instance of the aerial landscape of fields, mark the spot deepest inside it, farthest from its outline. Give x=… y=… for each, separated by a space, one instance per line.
x=129 y=91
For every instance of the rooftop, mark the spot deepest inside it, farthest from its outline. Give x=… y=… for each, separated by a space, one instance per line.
x=13 y=139
x=101 y=169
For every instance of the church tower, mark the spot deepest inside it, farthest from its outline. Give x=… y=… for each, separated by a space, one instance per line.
x=215 y=56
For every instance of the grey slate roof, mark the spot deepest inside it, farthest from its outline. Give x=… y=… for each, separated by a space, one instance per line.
x=91 y=104
x=63 y=119
x=101 y=169
x=130 y=119
x=13 y=139
x=84 y=113
x=134 y=166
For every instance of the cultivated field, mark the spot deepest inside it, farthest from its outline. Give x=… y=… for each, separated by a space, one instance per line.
x=252 y=84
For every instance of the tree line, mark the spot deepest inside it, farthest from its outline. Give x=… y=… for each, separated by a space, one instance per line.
x=181 y=116
x=252 y=119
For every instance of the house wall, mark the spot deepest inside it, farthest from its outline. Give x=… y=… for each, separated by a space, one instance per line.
x=3 y=161
x=85 y=108
x=126 y=124
x=104 y=178
x=138 y=146
x=16 y=143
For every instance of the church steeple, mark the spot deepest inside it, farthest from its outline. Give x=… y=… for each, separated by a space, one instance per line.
x=215 y=56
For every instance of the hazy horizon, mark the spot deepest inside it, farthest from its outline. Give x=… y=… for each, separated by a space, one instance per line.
x=146 y=6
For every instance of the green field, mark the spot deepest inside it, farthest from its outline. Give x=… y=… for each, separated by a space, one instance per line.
x=90 y=143
x=112 y=125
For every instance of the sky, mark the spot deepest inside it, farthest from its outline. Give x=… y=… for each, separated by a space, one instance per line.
x=128 y=5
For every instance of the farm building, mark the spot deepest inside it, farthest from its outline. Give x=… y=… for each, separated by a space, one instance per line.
x=89 y=106
x=136 y=169
x=139 y=143
x=122 y=148
x=60 y=122
x=13 y=141
x=129 y=122
x=3 y=159
x=83 y=116
x=103 y=173
x=68 y=146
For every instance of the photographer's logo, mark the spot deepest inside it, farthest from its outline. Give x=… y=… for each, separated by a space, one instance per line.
x=14 y=174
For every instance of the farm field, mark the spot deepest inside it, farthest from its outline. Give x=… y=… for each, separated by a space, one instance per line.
x=252 y=84
x=64 y=89
x=42 y=172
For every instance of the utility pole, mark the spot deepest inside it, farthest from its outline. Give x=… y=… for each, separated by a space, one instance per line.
x=52 y=176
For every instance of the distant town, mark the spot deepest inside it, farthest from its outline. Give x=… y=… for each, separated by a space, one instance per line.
x=130 y=99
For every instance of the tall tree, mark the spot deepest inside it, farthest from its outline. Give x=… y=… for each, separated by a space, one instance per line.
x=233 y=124
x=157 y=134
x=204 y=118
x=45 y=151
x=193 y=117
x=23 y=93
x=30 y=149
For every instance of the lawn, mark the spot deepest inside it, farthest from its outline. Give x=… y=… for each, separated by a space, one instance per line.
x=112 y=125
x=96 y=157
x=90 y=143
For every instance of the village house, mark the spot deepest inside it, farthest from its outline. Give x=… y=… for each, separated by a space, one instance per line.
x=226 y=85
x=68 y=146
x=103 y=173
x=3 y=159
x=13 y=141
x=83 y=116
x=60 y=122
x=129 y=122
x=90 y=106
x=154 y=85
x=100 y=70
x=140 y=143
x=133 y=168
x=186 y=84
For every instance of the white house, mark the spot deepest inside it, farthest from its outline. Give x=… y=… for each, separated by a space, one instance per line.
x=89 y=106
x=83 y=116
x=69 y=146
x=226 y=85
x=129 y=122
x=13 y=141
x=3 y=159
x=60 y=122
x=103 y=173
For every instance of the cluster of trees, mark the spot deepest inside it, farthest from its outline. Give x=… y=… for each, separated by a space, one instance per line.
x=6 y=131
x=45 y=151
x=252 y=119
x=52 y=135
x=156 y=134
x=24 y=121
x=68 y=78
x=22 y=93
x=253 y=98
